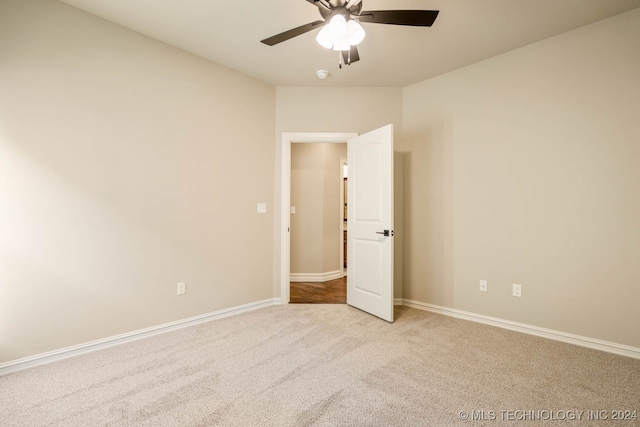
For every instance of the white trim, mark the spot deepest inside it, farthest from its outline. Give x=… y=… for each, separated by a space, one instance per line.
x=316 y=277
x=285 y=196
x=610 y=347
x=343 y=162
x=76 y=350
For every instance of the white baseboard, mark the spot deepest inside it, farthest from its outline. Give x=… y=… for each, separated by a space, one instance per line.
x=316 y=277
x=76 y=350
x=52 y=356
x=610 y=347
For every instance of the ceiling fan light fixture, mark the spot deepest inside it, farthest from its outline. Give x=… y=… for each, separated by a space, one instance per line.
x=352 y=35
x=355 y=32
x=324 y=38
x=338 y=27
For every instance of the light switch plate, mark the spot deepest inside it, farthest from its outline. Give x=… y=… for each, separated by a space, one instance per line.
x=262 y=208
x=293 y=209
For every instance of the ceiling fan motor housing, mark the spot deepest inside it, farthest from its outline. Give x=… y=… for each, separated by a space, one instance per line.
x=338 y=7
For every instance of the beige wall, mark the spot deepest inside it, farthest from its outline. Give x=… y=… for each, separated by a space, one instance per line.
x=315 y=192
x=126 y=166
x=319 y=109
x=525 y=168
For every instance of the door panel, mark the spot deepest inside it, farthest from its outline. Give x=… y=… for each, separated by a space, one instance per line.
x=368 y=204
x=368 y=280
x=370 y=212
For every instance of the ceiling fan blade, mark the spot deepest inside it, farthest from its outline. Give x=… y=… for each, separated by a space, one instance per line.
x=279 y=38
x=321 y=3
x=349 y=57
x=417 y=18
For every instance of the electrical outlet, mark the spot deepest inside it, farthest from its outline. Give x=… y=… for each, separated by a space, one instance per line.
x=517 y=290
x=484 y=287
x=182 y=288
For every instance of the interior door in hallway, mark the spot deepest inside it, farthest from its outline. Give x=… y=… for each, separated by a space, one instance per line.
x=370 y=222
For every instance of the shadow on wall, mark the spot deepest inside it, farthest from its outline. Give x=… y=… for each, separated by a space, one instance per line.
x=428 y=215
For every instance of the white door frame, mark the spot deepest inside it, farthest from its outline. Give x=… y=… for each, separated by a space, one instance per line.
x=285 y=197
x=343 y=163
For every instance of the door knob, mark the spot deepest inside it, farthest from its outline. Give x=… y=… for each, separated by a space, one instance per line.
x=385 y=233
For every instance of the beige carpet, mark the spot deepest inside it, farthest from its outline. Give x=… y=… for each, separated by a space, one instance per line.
x=327 y=365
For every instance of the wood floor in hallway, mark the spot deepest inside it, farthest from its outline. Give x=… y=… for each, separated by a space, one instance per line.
x=331 y=292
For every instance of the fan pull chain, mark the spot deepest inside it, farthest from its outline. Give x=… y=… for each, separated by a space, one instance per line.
x=340 y=59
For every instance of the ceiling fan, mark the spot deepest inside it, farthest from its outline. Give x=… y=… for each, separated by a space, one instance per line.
x=341 y=30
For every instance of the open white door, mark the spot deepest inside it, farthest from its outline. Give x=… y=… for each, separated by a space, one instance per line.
x=370 y=223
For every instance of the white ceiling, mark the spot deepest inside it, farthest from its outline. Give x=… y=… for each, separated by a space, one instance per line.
x=228 y=32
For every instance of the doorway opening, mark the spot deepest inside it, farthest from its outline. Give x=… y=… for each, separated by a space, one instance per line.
x=317 y=223
x=286 y=206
